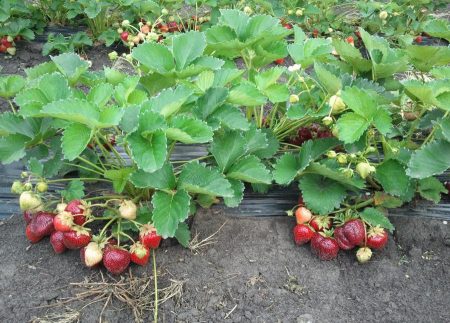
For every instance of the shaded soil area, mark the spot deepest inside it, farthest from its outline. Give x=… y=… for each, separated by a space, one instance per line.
x=252 y=272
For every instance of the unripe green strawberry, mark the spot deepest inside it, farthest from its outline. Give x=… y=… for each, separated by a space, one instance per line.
x=364 y=169
x=337 y=104
x=299 y=13
x=327 y=120
x=342 y=159
x=294 y=98
x=331 y=154
x=27 y=186
x=41 y=187
x=113 y=55
x=17 y=187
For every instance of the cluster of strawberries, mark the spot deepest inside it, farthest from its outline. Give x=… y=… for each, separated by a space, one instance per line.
x=326 y=241
x=8 y=45
x=67 y=230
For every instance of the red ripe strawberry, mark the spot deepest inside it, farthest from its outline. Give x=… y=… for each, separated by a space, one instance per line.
x=319 y=223
x=4 y=41
x=139 y=254
x=350 y=40
x=302 y=234
x=355 y=231
x=287 y=26
x=419 y=39
x=63 y=221
x=303 y=134
x=56 y=240
x=42 y=224
x=172 y=26
x=124 y=36
x=116 y=260
x=377 y=238
x=31 y=235
x=27 y=216
x=326 y=248
x=358 y=34
x=324 y=133
x=76 y=238
x=148 y=236
x=79 y=209
x=315 y=33
x=342 y=241
x=279 y=61
x=3 y=48
x=163 y=28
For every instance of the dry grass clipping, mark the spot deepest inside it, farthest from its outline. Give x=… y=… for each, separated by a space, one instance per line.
x=196 y=245
x=132 y=292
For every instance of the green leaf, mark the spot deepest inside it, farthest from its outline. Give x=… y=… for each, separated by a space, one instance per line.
x=73 y=191
x=374 y=217
x=228 y=116
x=210 y=101
x=197 y=178
x=11 y=85
x=71 y=66
x=168 y=101
x=246 y=94
x=205 y=80
x=226 y=75
x=12 y=148
x=189 y=130
x=36 y=167
x=286 y=169
x=162 y=178
x=148 y=152
x=119 y=177
x=75 y=139
x=183 y=235
x=360 y=101
x=154 y=56
x=329 y=81
x=321 y=195
x=100 y=94
x=351 y=127
x=424 y=58
x=431 y=189
x=256 y=140
x=75 y=110
x=169 y=210
x=187 y=47
x=40 y=70
x=431 y=159
x=386 y=200
x=354 y=184
x=227 y=147
x=238 y=193
x=277 y=93
x=268 y=77
x=11 y=123
x=445 y=128
x=251 y=170
x=392 y=176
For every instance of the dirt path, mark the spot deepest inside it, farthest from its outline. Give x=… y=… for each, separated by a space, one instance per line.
x=244 y=277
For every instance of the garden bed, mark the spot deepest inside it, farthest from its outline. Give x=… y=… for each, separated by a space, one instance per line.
x=247 y=269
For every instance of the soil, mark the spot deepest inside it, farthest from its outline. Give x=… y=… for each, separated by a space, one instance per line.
x=252 y=273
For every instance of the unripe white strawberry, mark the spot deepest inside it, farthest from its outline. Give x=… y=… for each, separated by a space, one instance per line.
x=327 y=120
x=383 y=15
x=93 y=254
x=290 y=12
x=299 y=13
x=248 y=10
x=125 y=23
x=164 y=11
x=128 y=210
x=11 y=51
x=331 y=154
x=364 y=169
x=342 y=159
x=10 y=39
x=61 y=207
x=337 y=104
x=363 y=254
x=30 y=201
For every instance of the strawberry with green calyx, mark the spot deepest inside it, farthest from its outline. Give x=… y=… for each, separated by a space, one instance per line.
x=41 y=187
x=324 y=245
x=364 y=169
x=128 y=210
x=80 y=211
x=30 y=201
x=377 y=238
x=139 y=254
x=321 y=222
x=78 y=237
x=56 y=240
x=363 y=254
x=149 y=237
x=91 y=255
x=336 y=103
x=63 y=221
x=115 y=259
x=302 y=234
